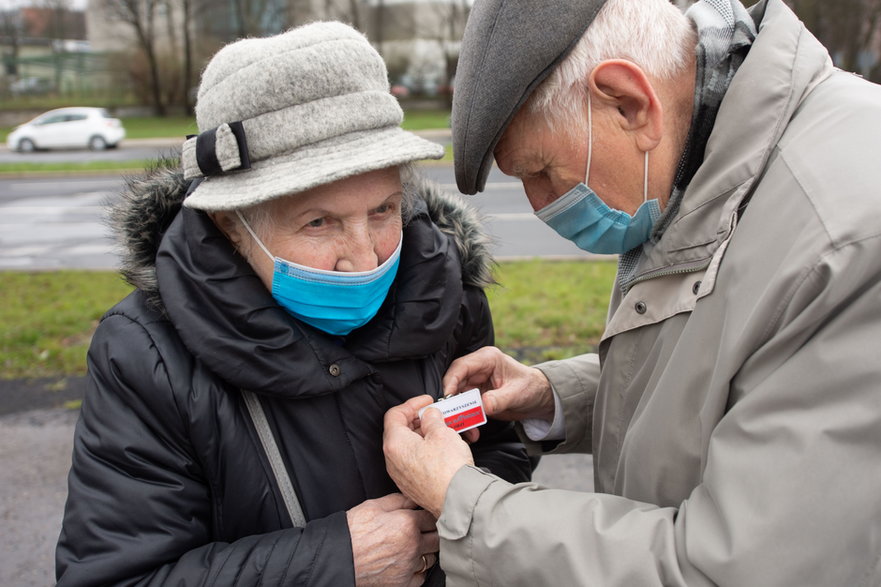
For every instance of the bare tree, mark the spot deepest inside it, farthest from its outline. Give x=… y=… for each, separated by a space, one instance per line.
x=348 y=11
x=11 y=30
x=141 y=16
x=848 y=28
x=189 y=9
x=257 y=17
x=449 y=19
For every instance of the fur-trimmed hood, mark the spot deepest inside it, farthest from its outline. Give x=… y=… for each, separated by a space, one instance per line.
x=149 y=204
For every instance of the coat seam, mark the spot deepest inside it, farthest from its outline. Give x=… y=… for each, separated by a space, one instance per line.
x=287 y=568
x=174 y=399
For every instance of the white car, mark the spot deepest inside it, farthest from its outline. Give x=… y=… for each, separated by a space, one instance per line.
x=67 y=128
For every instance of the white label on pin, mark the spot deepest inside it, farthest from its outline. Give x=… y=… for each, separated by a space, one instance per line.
x=461 y=412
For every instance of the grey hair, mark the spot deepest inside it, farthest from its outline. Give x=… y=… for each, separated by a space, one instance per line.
x=653 y=34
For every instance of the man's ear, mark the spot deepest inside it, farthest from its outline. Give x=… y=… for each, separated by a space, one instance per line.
x=624 y=86
x=229 y=225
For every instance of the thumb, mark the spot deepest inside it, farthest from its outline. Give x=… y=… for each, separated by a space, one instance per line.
x=493 y=402
x=432 y=421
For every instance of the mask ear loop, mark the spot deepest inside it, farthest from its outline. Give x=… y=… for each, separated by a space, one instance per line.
x=589 y=140
x=254 y=236
x=645 y=182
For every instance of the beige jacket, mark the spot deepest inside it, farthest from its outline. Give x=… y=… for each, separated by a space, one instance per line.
x=736 y=419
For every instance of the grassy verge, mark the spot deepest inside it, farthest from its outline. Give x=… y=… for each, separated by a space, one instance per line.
x=426 y=119
x=542 y=310
x=545 y=310
x=84 y=167
x=180 y=127
x=48 y=319
x=153 y=127
x=134 y=166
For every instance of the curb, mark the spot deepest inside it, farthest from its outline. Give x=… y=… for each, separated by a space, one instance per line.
x=44 y=393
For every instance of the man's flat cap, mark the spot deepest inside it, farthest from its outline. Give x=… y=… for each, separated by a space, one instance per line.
x=509 y=48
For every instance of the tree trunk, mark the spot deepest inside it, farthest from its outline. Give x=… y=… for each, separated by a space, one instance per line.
x=146 y=40
x=188 y=56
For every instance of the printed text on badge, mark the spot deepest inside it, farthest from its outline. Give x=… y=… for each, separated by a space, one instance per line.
x=461 y=412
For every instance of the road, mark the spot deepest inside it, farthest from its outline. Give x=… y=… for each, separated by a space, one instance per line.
x=58 y=222
x=133 y=150
x=51 y=223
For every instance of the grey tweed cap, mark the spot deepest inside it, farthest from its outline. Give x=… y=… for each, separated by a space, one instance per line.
x=509 y=48
x=283 y=114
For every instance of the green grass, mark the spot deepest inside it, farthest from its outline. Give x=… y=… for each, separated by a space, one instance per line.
x=181 y=126
x=134 y=167
x=546 y=310
x=542 y=310
x=426 y=119
x=48 y=319
x=155 y=127
x=85 y=167
x=152 y=127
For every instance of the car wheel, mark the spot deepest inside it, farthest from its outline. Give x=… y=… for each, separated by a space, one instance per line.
x=26 y=146
x=97 y=143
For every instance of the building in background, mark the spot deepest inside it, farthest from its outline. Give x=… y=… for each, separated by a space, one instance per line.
x=152 y=51
x=43 y=50
x=164 y=45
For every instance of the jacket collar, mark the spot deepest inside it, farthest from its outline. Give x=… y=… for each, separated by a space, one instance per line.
x=230 y=322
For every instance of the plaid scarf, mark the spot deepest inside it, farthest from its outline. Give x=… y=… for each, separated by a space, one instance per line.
x=725 y=33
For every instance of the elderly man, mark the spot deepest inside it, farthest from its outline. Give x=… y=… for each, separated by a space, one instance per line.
x=734 y=408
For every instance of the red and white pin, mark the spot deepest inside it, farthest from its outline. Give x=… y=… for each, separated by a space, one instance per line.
x=461 y=412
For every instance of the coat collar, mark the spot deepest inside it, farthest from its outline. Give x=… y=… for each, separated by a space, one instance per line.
x=230 y=322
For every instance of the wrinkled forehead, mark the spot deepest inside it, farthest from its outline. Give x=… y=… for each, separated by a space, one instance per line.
x=355 y=195
x=509 y=48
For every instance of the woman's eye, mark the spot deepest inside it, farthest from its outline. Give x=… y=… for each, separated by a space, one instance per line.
x=317 y=223
x=383 y=209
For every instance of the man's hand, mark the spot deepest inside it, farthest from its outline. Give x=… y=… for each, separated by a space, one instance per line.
x=511 y=390
x=393 y=543
x=422 y=456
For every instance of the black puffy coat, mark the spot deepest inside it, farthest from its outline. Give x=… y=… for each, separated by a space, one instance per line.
x=169 y=482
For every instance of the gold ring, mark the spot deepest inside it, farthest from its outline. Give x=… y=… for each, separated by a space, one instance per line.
x=424 y=565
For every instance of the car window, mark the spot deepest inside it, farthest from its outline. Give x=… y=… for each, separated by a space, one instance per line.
x=53 y=119
x=75 y=117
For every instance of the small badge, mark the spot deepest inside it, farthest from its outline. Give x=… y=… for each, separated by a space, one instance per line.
x=461 y=412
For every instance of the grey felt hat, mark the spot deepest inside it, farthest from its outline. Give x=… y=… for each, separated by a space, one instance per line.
x=283 y=114
x=509 y=48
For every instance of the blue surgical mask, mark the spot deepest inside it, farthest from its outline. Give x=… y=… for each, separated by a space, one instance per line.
x=582 y=217
x=336 y=302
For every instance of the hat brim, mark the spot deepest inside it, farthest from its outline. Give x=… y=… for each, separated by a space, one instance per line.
x=311 y=166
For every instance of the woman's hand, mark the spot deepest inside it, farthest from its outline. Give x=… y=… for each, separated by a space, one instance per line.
x=393 y=543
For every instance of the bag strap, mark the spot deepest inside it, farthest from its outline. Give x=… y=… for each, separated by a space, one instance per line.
x=264 y=432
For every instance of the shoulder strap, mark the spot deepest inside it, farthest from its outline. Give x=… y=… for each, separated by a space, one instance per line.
x=258 y=416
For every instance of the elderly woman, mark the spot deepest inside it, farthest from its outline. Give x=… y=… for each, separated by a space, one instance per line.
x=290 y=288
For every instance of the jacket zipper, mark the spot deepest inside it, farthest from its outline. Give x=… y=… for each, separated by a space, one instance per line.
x=699 y=266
